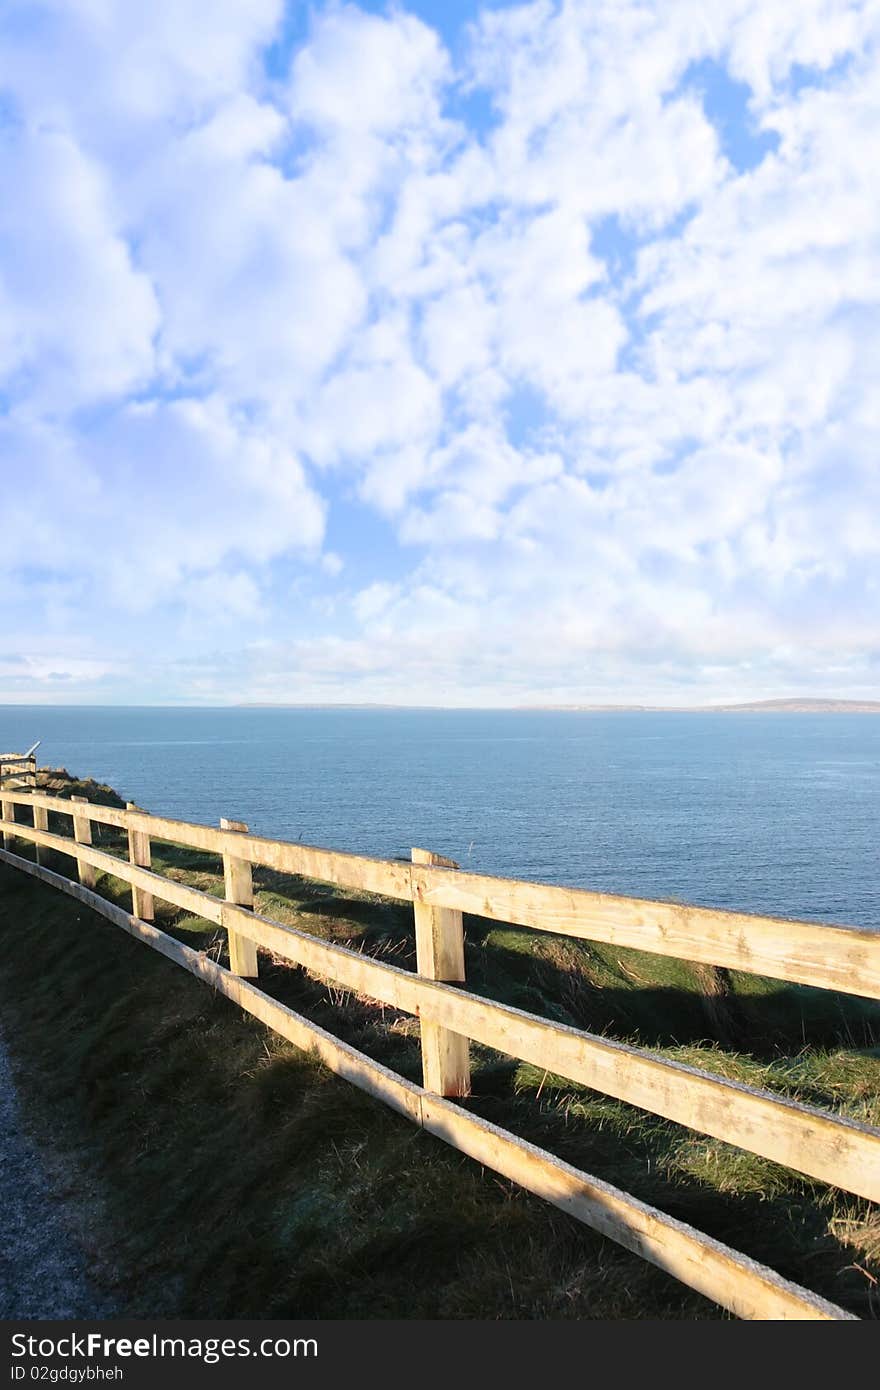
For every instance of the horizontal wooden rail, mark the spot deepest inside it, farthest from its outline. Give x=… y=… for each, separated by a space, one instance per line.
x=826 y=956
x=18 y=772
x=831 y=1148
x=359 y=872
x=807 y=953
x=736 y=1282
x=193 y=900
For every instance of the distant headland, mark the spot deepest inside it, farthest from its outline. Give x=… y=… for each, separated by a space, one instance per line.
x=748 y=707
x=785 y=706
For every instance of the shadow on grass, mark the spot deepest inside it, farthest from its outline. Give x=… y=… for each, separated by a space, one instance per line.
x=239 y=1178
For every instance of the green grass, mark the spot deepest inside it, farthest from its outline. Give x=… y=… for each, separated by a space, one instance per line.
x=231 y=1175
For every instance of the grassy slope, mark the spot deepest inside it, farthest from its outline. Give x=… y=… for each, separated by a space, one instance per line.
x=232 y=1176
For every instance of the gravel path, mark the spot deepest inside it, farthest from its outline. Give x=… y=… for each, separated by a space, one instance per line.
x=42 y=1268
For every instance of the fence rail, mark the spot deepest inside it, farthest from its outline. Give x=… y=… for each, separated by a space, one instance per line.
x=828 y=956
x=822 y=1145
x=18 y=770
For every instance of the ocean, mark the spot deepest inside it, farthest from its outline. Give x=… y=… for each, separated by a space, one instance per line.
x=772 y=813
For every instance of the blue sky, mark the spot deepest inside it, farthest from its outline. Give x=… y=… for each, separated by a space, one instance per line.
x=439 y=353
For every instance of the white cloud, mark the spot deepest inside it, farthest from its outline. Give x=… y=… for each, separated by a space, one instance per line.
x=155 y=506
x=256 y=289
x=106 y=70
x=361 y=72
x=77 y=318
x=231 y=303
x=457 y=333
x=590 y=116
x=765 y=42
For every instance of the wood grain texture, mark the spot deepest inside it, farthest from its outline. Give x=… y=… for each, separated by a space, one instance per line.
x=809 y=953
x=446 y=1065
x=743 y=1286
x=828 y=1147
x=82 y=833
x=166 y=889
x=733 y=1280
x=386 y=877
x=834 y=1149
x=827 y=956
x=140 y=853
x=238 y=881
x=41 y=822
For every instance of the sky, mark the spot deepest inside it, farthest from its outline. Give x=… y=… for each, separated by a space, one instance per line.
x=439 y=353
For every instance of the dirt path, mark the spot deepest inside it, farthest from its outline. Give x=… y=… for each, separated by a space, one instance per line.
x=42 y=1268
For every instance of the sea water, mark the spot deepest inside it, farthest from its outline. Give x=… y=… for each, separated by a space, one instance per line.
x=773 y=813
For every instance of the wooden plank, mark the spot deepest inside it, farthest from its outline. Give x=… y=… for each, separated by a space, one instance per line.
x=832 y=1148
x=41 y=822
x=386 y=877
x=22 y=769
x=142 y=904
x=351 y=871
x=746 y=1288
x=103 y=815
x=340 y=1057
x=355 y=872
x=82 y=834
x=809 y=953
x=7 y=811
x=18 y=773
x=17 y=762
x=827 y=956
x=446 y=1065
x=239 y=883
x=152 y=884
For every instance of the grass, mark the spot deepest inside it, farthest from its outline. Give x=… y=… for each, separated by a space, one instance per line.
x=230 y=1175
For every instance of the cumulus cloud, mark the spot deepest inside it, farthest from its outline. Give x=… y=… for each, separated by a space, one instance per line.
x=158 y=502
x=361 y=73
x=372 y=372
x=77 y=317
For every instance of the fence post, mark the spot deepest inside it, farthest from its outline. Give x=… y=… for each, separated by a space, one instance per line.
x=8 y=812
x=446 y=1067
x=41 y=822
x=139 y=853
x=82 y=833
x=239 y=880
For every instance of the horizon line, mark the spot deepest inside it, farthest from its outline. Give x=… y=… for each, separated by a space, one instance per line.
x=786 y=703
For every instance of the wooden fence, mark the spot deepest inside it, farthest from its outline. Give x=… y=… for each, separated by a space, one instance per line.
x=18 y=770
x=814 y=1142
